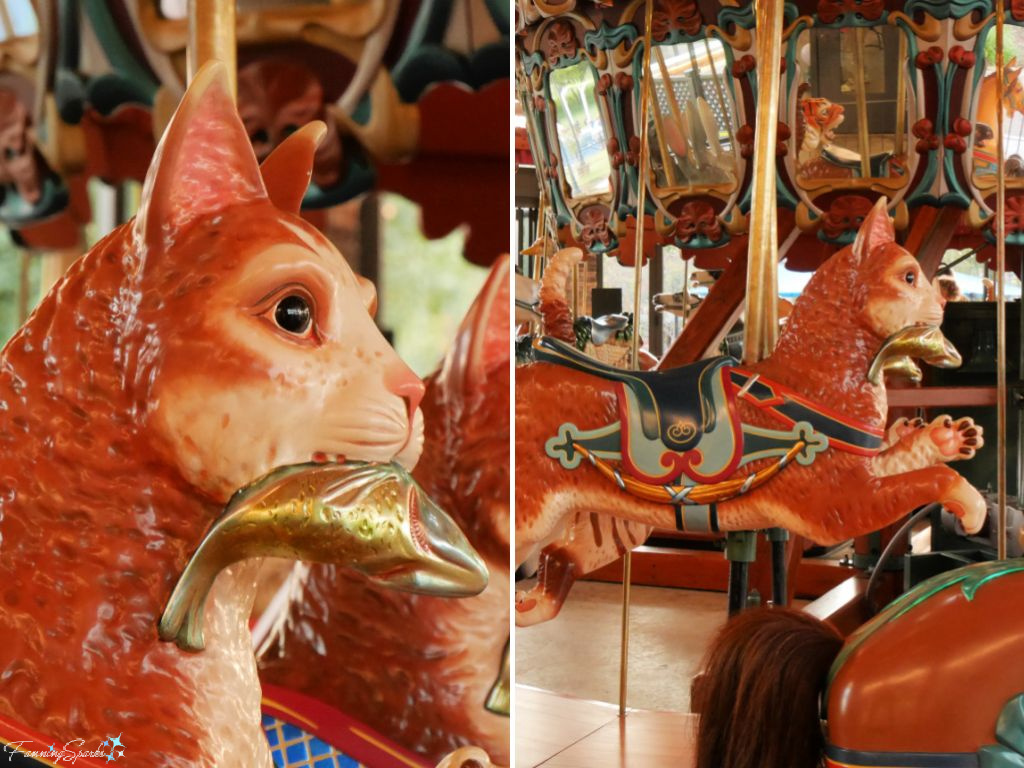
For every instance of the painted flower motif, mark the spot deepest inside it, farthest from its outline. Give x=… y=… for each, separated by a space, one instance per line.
x=845 y=214
x=743 y=64
x=745 y=139
x=928 y=57
x=831 y=10
x=924 y=130
x=673 y=15
x=696 y=219
x=962 y=57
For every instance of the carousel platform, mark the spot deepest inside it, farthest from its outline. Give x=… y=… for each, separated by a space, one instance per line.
x=557 y=731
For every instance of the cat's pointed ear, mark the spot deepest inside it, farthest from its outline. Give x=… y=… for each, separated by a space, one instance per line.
x=203 y=163
x=288 y=169
x=876 y=230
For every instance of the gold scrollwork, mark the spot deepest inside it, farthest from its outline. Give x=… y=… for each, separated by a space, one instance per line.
x=682 y=430
x=929 y=29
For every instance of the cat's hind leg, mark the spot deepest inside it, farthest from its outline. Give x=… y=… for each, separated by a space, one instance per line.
x=591 y=541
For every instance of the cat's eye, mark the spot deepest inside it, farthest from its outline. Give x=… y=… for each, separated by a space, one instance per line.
x=294 y=314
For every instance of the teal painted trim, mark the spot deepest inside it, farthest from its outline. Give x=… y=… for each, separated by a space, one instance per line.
x=17 y=212
x=607 y=37
x=531 y=61
x=920 y=194
x=435 y=63
x=117 y=52
x=360 y=177
x=701 y=242
x=500 y=13
x=949 y=158
x=948 y=9
x=741 y=17
x=970 y=579
x=1010 y=735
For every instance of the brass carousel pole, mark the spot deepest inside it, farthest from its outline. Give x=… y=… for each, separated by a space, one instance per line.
x=1000 y=234
x=643 y=163
x=211 y=35
x=761 y=325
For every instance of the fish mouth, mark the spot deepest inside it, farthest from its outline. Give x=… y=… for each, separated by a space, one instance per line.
x=447 y=565
x=370 y=517
x=923 y=341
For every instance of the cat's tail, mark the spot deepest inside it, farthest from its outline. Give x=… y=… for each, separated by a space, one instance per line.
x=554 y=303
x=760 y=660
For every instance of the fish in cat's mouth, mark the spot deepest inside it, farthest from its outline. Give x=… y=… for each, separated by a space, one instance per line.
x=373 y=518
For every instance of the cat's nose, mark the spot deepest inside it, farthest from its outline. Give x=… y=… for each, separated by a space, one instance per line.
x=401 y=381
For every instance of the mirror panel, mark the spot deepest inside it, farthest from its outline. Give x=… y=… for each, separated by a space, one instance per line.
x=844 y=74
x=582 y=141
x=692 y=123
x=990 y=98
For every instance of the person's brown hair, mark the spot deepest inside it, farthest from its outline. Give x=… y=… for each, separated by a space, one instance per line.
x=758 y=698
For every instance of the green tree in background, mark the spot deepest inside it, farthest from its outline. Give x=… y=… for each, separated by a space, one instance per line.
x=10 y=285
x=425 y=287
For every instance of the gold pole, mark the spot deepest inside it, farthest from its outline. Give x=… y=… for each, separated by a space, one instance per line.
x=762 y=325
x=863 y=137
x=643 y=163
x=901 y=97
x=211 y=35
x=670 y=95
x=1000 y=232
x=627 y=577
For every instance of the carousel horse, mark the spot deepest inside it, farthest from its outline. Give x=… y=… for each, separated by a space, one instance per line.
x=433 y=673
x=796 y=441
x=933 y=681
x=212 y=339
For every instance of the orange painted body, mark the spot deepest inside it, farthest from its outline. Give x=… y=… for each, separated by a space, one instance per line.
x=867 y=291
x=151 y=382
x=425 y=665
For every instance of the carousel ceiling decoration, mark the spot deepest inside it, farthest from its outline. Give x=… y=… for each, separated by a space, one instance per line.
x=85 y=86
x=909 y=116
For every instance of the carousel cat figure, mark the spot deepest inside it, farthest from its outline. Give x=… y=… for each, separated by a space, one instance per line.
x=797 y=441
x=212 y=339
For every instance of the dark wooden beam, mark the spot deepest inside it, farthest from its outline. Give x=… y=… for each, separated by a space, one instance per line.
x=709 y=570
x=708 y=323
x=930 y=235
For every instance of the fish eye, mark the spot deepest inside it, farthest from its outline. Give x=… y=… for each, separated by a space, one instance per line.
x=293 y=314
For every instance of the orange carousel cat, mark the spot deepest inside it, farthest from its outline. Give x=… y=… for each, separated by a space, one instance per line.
x=211 y=339
x=796 y=441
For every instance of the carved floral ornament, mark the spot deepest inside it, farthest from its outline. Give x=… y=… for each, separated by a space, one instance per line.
x=830 y=11
x=845 y=214
x=697 y=219
x=595 y=230
x=675 y=16
x=558 y=41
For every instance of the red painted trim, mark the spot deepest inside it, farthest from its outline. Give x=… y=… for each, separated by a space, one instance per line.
x=345 y=733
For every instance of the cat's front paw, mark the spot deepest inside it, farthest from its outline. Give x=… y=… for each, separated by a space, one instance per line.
x=955 y=439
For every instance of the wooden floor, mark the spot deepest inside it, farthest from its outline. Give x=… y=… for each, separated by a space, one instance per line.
x=558 y=731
